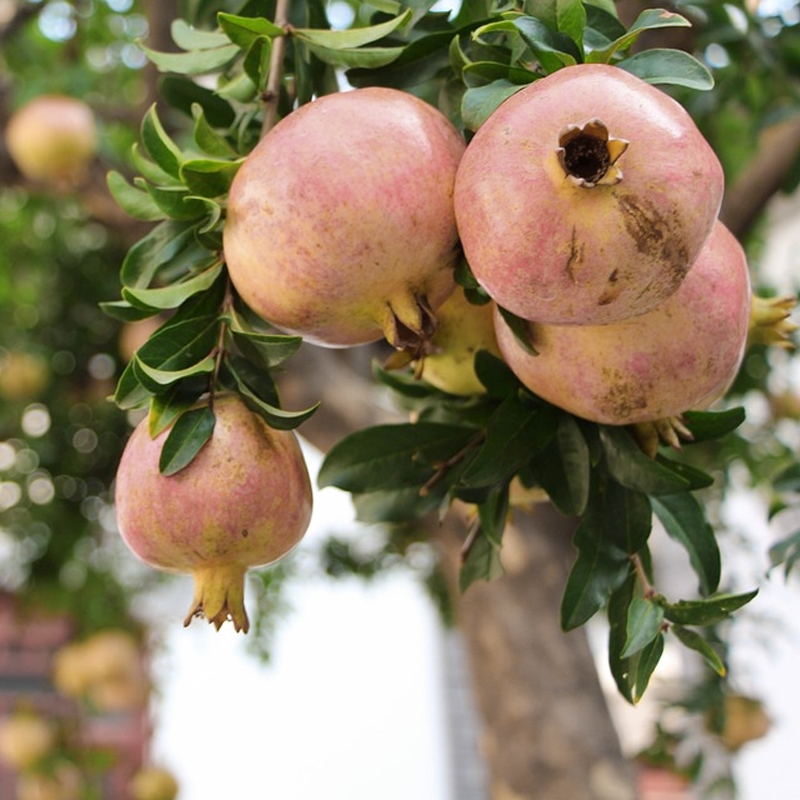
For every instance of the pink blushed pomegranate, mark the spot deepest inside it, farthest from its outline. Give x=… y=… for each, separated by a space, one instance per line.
x=244 y=501
x=585 y=197
x=340 y=222
x=680 y=356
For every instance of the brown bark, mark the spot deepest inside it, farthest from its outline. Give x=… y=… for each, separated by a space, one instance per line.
x=547 y=731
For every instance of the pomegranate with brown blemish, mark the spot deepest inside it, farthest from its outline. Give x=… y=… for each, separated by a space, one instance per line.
x=585 y=197
x=680 y=356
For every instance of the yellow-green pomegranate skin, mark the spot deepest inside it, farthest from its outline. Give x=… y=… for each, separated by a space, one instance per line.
x=340 y=222
x=555 y=241
x=681 y=356
x=244 y=501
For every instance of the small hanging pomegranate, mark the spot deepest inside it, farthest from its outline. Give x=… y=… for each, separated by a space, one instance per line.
x=585 y=197
x=244 y=501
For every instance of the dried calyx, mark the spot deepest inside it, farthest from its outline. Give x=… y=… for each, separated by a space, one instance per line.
x=588 y=154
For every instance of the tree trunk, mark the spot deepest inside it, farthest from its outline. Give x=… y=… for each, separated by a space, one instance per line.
x=547 y=731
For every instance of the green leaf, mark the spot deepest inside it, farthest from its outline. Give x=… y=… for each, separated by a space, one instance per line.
x=545 y=42
x=125 y=312
x=361 y=57
x=706 y=425
x=673 y=67
x=695 y=478
x=134 y=202
x=516 y=431
x=644 y=664
x=185 y=440
x=644 y=624
x=563 y=469
x=254 y=377
x=684 y=520
x=178 y=346
x=168 y=297
x=209 y=177
x=276 y=417
x=274 y=349
x=208 y=139
x=519 y=327
x=165 y=408
x=130 y=393
x=243 y=31
x=629 y=466
x=160 y=245
x=186 y=95
x=155 y=379
x=351 y=38
x=571 y=20
x=159 y=146
x=176 y=202
x=479 y=103
x=599 y=569
x=390 y=456
x=194 y=62
x=189 y=38
x=621 y=516
x=709 y=611
x=481 y=564
x=694 y=641
x=649 y=19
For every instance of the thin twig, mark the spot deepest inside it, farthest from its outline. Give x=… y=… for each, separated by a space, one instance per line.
x=648 y=590
x=443 y=466
x=272 y=91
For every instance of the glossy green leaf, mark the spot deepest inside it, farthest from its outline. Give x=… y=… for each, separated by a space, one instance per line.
x=168 y=297
x=209 y=177
x=644 y=624
x=176 y=202
x=156 y=379
x=186 y=438
x=158 y=144
x=243 y=31
x=629 y=466
x=694 y=641
x=673 y=67
x=709 y=611
x=161 y=245
x=361 y=57
x=684 y=520
x=193 y=62
x=546 y=42
x=190 y=38
x=695 y=478
x=134 y=202
x=479 y=103
x=571 y=20
x=649 y=19
x=351 y=38
x=390 y=456
x=275 y=417
x=254 y=377
x=621 y=516
x=166 y=407
x=125 y=312
x=149 y=170
x=706 y=425
x=599 y=569
x=495 y=374
x=274 y=349
x=516 y=431
x=177 y=346
x=186 y=94
x=130 y=393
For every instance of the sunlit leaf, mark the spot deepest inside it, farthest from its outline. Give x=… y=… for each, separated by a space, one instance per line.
x=134 y=202
x=158 y=144
x=672 y=67
x=644 y=624
x=167 y=297
x=351 y=38
x=193 y=62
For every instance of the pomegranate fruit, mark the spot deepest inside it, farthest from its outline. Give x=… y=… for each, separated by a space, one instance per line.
x=52 y=139
x=340 y=223
x=25 y=738
x=244 y=501
x=680 y=356
x=585 y=197
x=464 y=328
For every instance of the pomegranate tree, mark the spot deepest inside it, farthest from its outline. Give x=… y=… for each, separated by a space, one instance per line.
x=243 y=501
x=340 y=222
x=682 y=355
x=585 y=197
